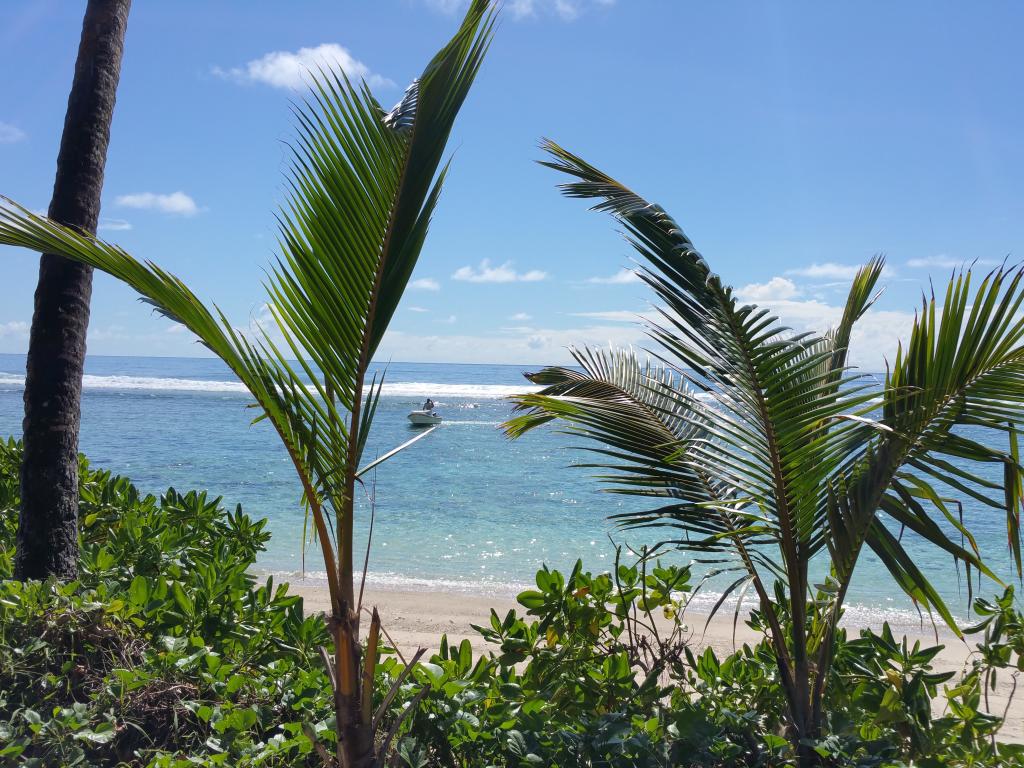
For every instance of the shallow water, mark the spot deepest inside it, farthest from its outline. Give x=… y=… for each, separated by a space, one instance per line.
x=465 y=509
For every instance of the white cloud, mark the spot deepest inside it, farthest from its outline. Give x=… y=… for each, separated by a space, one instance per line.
x=945 y=262
x=11 y=134
x=447 y=6
x=521 y=316
x=158 y=339
x=520 y=345
x=520 y=9
x=775 y=289
x=615 y=315
x=114 y=225
x=175 y=202
x=260 y=322
x=451 y=319
x=14 y=329
x=622 y=277
x=566 y=10
x=287 y=69
x=417 y=309
x=485 y=273
x=425 y=284
x=875 y=336
x=830 y=270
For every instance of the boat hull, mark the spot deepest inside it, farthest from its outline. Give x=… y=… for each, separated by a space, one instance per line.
x=424 y=418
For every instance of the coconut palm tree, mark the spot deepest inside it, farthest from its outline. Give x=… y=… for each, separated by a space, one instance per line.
x=763 y=449
x=364 y=184
x=48 y=522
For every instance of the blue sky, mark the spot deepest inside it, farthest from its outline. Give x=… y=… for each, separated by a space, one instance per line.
x=792 y=140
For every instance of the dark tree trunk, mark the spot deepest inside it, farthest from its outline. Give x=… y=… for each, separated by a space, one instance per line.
x=48 y=525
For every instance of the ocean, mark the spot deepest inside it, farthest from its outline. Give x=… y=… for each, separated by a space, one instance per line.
x=464 y=510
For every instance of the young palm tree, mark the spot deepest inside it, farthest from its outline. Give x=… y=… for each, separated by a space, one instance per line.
x=364 y=184
x=763 y=447
x=48 y=522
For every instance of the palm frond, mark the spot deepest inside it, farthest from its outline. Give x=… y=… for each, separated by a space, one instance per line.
x=364 y=184
x=859 y=300
x=767 y=383
x=646 y=425
x=963 y=365
x=794 y=449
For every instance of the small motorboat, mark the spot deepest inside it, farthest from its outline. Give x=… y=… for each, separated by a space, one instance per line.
x=424 y=418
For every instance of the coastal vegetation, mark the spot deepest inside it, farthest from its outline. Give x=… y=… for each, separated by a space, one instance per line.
x=364 y=185
x=763 y=451
x=765 y=456
x=166 y=651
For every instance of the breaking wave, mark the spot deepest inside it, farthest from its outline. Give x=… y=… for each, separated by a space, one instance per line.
x=414 y=389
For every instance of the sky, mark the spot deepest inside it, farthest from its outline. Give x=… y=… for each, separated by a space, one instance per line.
x=791 y=140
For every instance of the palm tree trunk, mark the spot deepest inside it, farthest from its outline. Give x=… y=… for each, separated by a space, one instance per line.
x=47 y=543
x=355 y=736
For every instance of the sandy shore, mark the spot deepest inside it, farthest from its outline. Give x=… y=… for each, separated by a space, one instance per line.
x=415 y=619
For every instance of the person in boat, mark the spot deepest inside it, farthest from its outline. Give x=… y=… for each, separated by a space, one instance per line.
x=429 y=405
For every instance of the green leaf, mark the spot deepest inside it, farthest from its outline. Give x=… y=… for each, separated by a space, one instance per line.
x=96 y=737
x=183 y=601
x=138 y=591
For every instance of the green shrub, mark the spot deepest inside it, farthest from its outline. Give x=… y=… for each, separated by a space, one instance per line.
x=168 y=652
x=166 y=643
x=583 y=679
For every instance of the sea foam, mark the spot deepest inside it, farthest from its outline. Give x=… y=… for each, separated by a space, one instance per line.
x=413 y=389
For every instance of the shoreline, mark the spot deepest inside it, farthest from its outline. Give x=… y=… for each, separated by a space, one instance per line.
x=856 y=616
x=419 y=618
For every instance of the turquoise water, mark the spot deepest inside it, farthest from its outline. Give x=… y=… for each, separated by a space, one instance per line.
x=464 y=510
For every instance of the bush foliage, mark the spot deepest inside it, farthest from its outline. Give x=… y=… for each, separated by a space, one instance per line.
x=169 y=652
x=165 y=644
